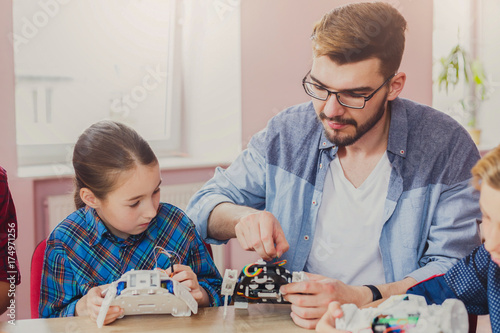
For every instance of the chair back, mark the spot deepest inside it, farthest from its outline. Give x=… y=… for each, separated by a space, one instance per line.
x=36 y=277
x=209 y=250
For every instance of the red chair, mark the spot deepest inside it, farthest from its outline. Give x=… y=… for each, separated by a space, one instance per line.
x=36 y=277
x=209 y=250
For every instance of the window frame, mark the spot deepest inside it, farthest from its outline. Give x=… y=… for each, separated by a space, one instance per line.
x=30 y=155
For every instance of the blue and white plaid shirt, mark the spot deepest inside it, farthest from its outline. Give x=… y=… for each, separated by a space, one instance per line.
x=81 y=254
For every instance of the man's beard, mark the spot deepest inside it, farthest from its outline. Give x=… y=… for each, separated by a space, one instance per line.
x=360 y=131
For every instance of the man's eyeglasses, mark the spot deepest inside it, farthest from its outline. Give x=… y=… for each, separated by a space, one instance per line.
x=345 y=98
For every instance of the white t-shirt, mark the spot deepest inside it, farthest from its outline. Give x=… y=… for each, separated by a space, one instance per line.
x=348 y=227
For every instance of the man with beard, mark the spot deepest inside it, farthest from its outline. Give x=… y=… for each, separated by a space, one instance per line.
x=366 y=191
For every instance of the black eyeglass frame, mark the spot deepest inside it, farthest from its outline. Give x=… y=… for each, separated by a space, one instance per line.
x=366 y=98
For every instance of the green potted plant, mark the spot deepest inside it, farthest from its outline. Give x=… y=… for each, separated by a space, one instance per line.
x=458 y=67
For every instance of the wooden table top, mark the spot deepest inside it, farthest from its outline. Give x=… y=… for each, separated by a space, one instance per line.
x=258 y=318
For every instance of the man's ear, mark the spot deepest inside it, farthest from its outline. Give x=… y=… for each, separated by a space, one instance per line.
x=89 y=198
x=396 y=86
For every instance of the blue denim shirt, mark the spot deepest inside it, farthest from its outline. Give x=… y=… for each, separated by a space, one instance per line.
x=430 y=211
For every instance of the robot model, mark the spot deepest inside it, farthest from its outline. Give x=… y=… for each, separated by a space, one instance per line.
x=259 y=282
x=146 y=292
x=406 y=314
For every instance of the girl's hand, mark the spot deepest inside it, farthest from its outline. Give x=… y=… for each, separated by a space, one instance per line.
x=90 y=304
x=186 y=276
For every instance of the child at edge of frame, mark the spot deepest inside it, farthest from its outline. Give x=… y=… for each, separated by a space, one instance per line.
x=475 y=280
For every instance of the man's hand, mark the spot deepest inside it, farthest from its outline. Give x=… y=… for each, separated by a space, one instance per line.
x=185 y=275
x=310 y=299
x=255 y=230
x=261 y=232
x=327 y=323
x=90 y=304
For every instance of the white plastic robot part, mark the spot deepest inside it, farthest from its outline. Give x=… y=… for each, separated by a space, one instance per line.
x=355 y=319
x=450 y=317
x=108 y=298
x=144 y=294
x=459 y=319
x=184 y=294
x=229 y=282
x=299 y=276
x=228 y=285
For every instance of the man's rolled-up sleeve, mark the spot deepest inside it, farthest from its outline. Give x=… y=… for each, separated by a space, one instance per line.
x=242 y=183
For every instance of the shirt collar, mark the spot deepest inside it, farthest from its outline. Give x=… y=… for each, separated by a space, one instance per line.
x=398 y=131
x=95 y=228
x=324 y=143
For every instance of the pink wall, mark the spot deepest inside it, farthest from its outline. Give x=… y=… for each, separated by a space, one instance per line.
x=22 y=189
x=275 y=56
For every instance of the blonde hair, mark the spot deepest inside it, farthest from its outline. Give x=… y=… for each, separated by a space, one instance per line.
x=362 y=31
x=487 y=169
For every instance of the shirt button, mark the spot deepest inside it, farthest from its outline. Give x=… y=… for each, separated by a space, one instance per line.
x=402 y=152
x=314 y=202
x=324 y=143
x=306 y=237
x=321 y=165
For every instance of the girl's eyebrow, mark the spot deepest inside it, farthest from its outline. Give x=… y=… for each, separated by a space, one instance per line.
x=142 y=195
x=347 y=90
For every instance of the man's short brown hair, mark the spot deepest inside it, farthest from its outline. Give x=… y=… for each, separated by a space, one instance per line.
x=361 y=31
